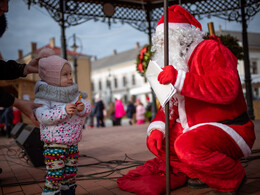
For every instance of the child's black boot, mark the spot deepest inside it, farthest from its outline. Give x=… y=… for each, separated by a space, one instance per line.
x=68 y=190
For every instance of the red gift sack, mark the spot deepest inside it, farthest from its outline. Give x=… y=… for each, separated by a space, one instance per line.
x=150 y=179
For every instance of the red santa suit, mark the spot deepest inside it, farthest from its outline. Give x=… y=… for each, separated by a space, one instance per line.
x=209 y=126
x=210 y=130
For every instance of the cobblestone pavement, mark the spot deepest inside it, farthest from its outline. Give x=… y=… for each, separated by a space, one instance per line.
x=105 y=154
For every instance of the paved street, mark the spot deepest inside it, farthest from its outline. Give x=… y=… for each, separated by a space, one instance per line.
x=106 y=154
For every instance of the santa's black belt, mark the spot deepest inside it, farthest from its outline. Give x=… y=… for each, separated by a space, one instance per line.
x=240 y=120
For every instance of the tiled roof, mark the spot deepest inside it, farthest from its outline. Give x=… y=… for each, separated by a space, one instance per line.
x=115 y=59
x=57 y=51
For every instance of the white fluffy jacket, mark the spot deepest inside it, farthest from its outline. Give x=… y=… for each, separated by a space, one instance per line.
x=55 y=124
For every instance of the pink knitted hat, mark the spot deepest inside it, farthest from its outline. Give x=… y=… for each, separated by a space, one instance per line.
x=50 y=66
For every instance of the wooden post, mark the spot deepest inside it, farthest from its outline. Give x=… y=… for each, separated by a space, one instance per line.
x=167 y=131
x=211 y=28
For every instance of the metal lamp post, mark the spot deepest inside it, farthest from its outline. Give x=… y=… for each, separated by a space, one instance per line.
x=75 y=60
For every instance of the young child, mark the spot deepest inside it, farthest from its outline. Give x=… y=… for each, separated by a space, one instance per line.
x=61 y=118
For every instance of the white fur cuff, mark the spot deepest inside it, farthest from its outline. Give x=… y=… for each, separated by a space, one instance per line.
x=180 y=80
x=159 y=125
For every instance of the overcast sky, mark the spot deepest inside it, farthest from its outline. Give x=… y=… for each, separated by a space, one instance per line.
x=95 y=38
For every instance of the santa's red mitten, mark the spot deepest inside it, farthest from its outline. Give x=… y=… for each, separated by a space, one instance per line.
x=168 y=75
x=154 y=141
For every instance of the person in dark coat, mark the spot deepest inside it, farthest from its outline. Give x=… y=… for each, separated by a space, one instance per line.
x=98 y=111
x=12 y=70
x=7 y=119
x=111 y=113
x=130 y=110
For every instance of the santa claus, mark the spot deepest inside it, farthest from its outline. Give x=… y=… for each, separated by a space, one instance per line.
x=209 y=127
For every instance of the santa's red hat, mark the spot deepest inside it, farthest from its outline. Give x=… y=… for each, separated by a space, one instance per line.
x=178 y=17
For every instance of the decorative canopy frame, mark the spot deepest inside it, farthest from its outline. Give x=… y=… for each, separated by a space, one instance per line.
x=139 y=13
x=144 y=15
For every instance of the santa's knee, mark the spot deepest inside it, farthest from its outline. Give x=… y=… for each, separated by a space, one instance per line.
x=187 y=149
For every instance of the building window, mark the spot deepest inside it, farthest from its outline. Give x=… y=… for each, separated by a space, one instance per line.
x=133 y=79
x=115 y=82
x=124 y=81
x=125 y=99
x=256 y=93
x=92 y=86
x=99 y=85
x=108 y=83
x=254 y=67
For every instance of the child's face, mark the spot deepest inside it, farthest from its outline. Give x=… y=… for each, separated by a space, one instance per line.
x=66 y=76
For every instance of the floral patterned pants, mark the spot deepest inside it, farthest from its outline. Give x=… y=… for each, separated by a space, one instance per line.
x=61 y=165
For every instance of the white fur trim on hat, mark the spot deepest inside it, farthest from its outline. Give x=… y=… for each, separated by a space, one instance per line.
x=160 y=27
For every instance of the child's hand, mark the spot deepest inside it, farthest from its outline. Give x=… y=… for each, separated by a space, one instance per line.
x=70 y=108
x=80 y=106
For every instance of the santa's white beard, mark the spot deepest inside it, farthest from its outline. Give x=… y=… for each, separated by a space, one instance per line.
x=179 y=41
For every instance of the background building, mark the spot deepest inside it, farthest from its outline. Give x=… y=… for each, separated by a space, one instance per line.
x=115 y=76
